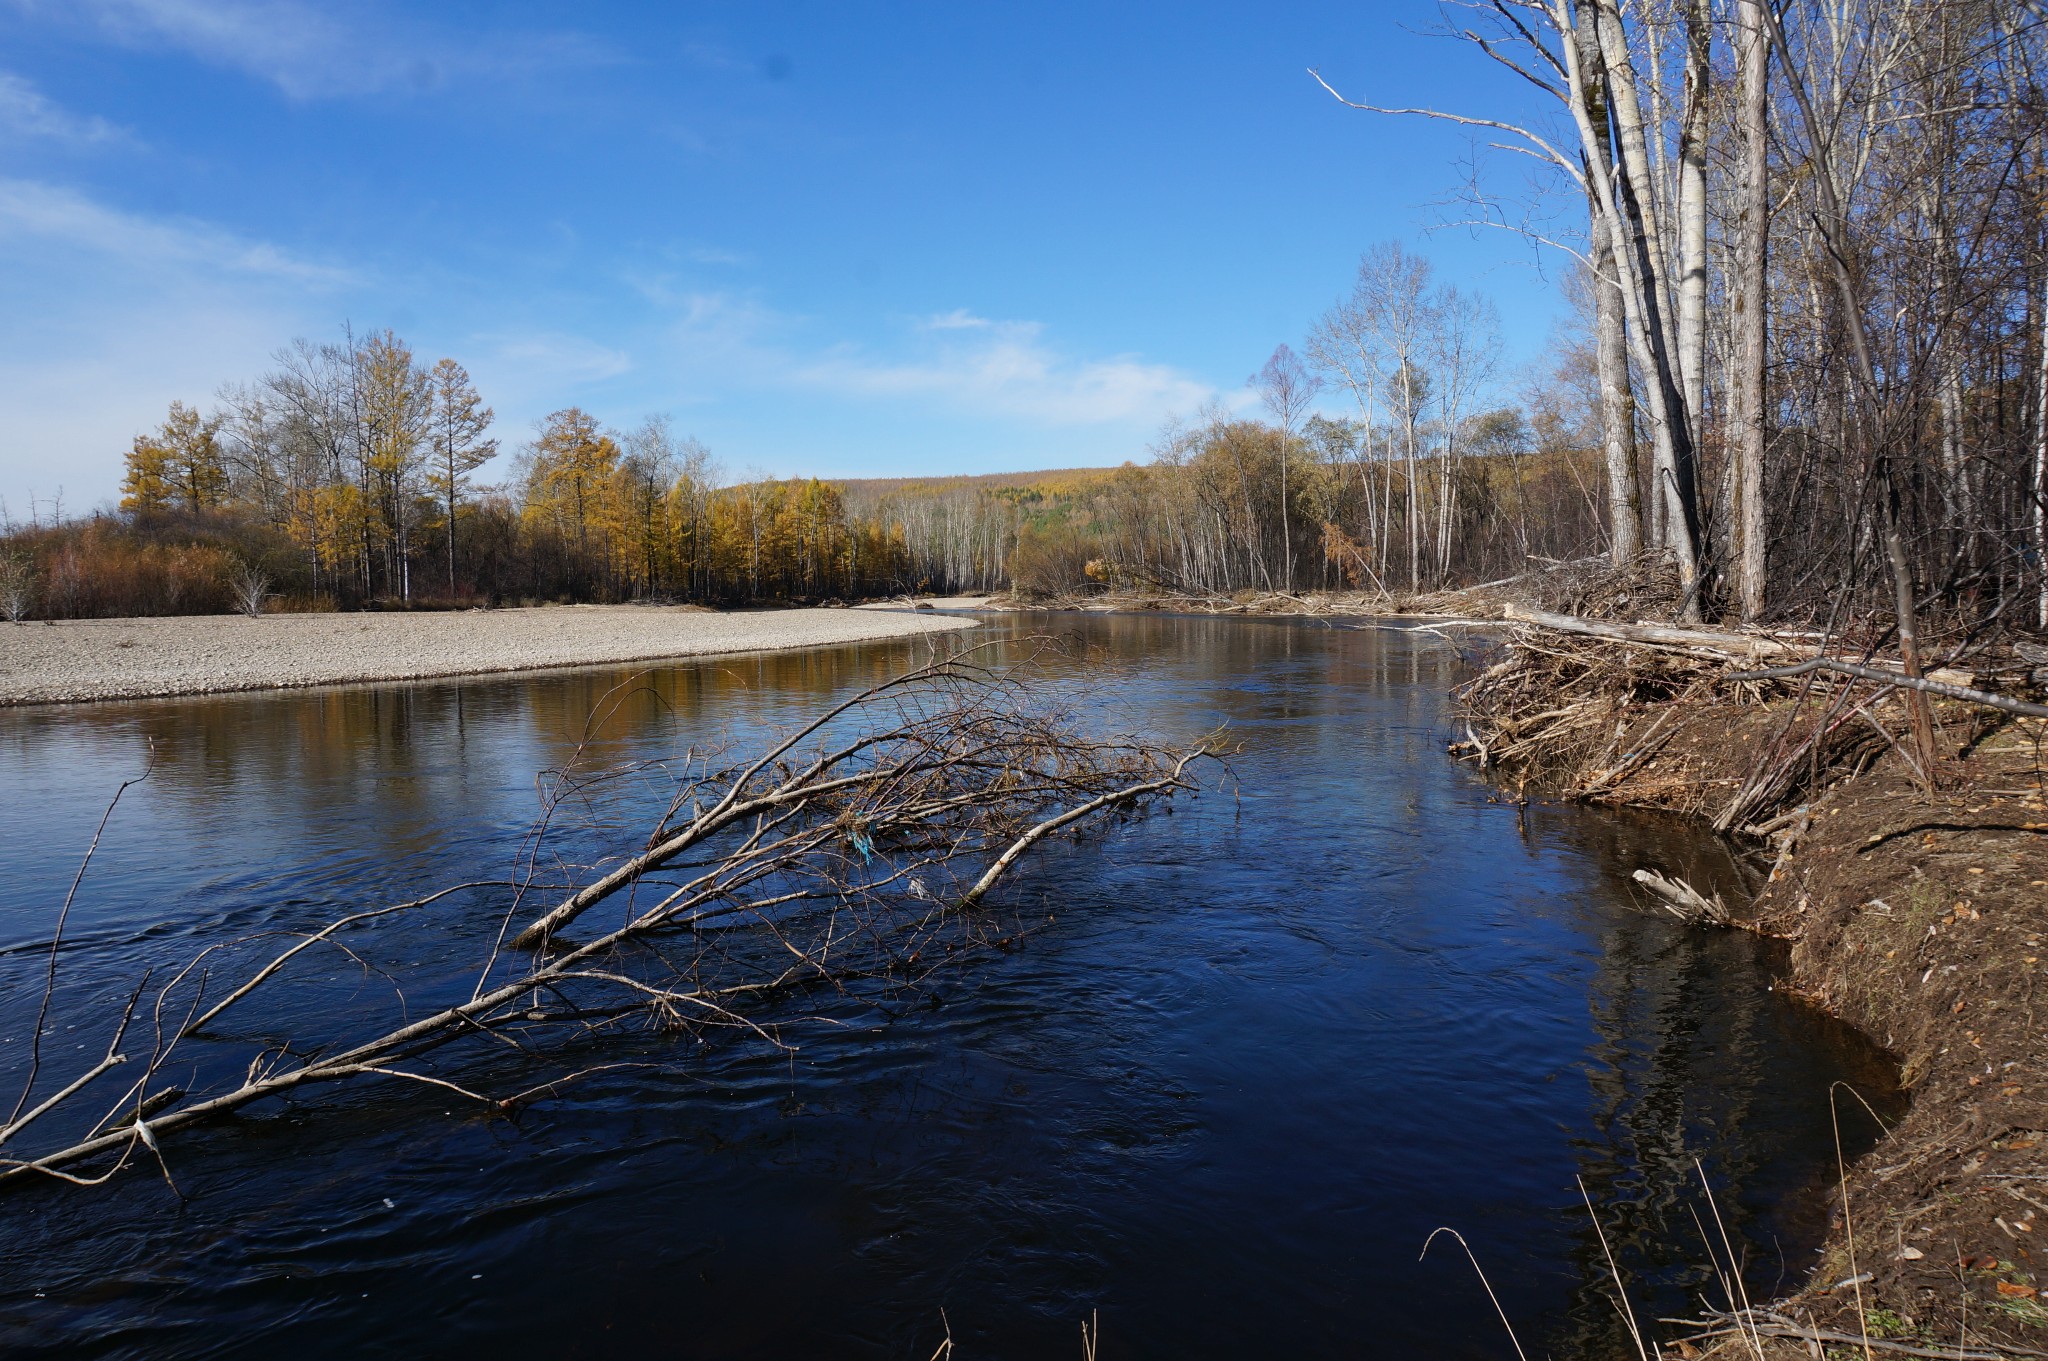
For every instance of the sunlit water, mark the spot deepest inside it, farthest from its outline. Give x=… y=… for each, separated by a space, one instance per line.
x=1255 y=1052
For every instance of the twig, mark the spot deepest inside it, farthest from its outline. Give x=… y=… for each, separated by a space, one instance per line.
x=35 y=1051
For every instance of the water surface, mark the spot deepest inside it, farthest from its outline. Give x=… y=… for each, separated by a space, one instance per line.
x=1255 y=1052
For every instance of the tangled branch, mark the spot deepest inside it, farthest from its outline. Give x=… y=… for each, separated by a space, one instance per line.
x=856 y=856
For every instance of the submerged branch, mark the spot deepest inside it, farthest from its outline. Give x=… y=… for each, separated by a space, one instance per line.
x=857 y=868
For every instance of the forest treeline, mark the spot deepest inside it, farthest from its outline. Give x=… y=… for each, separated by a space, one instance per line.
x=1808 y=249
x=348 y=476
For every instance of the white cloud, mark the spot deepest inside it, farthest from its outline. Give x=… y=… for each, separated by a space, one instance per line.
x=116 y=314
x=25 y=112
x=959 y=361
x=310 y=52
x=1016 y=376
x=959 y=319
x=541 y=359
x=71 y=220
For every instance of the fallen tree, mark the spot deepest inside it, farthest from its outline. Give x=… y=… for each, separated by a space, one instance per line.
x=1945 y=681
x=856 y=857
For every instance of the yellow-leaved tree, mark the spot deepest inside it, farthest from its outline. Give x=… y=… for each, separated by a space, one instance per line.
x=568 y=481
x=397 y=401
x=455 y=433
x=178 y=466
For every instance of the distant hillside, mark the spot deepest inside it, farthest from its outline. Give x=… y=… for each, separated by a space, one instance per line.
x=990 y=481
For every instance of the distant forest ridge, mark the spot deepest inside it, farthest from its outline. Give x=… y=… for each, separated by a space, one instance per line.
x=882 y=486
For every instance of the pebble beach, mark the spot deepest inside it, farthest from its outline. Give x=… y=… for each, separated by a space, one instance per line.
x=68 y=661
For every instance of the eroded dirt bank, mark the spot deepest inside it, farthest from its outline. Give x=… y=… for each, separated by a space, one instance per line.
x=1921 y=918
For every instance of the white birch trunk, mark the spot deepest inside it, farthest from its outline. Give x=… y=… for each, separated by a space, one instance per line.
x=1750 y=299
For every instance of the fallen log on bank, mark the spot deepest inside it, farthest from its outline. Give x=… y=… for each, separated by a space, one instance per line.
x=1944 y=681
x=1724 y=644
x=856 y=873
x=1674 y=718
x=1734 y=646
x=1926 y=684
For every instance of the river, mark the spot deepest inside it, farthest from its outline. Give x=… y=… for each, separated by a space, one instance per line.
x=1255 y=1052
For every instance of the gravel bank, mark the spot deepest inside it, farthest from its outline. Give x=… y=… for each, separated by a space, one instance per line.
x=936 y=602
x=92 y=659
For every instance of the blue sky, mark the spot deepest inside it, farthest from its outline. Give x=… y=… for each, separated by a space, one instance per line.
x=846 y=239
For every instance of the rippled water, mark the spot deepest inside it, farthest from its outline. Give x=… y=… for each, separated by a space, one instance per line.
x=1262 y=1047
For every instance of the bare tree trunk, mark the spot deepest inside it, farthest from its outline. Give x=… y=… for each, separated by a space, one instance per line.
x=2040 y=488
x=1617 y=400
x=1956 y=497
x=1414 y=501
x=1636 y=177
x=1692 y=219
x=1637 y=254
x=1286 y=530
x=1752 y=283
x=451 y=530
x=1610 y=311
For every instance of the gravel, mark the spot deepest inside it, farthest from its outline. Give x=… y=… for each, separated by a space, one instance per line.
x=88 y=659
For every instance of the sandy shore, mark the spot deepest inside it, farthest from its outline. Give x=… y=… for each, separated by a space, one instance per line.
x=136 y=658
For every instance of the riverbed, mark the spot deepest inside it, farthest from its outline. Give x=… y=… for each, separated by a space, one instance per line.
x=1246 y=1058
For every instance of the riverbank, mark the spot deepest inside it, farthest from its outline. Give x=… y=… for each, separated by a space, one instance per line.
x=99 y=659
x=1920 y=918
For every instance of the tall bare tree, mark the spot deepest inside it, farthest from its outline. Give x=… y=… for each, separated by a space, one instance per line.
x=1288 y=389
x=1751 y=308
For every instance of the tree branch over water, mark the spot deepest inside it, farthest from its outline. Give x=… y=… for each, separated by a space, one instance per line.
x=852 y=861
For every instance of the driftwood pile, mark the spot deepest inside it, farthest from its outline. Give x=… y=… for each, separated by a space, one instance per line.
x=1589 y=706
x=849 y=863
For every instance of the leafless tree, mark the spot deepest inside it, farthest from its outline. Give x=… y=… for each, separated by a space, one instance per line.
x=1288 y=389
x=17 y=585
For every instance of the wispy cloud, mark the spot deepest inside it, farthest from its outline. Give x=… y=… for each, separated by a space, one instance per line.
x=1016 y=375
x=120 y=312
x=959 y=319
x=315 y=51
x=26 y=112
x=550 y=359
x=957 y=360
x=71 y=220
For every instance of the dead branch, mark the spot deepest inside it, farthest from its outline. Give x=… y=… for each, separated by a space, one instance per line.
x=1748 y=646
x=1684 y=901
x=856 y=856
x=1927 y=684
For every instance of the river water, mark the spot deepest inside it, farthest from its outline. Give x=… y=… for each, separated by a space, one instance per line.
x=1256 y=1052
